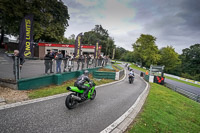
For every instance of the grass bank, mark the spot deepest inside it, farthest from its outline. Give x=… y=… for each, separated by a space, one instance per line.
x=167 y=111
x=54 y=89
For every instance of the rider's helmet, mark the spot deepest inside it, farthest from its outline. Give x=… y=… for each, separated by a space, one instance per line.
x=86 y=72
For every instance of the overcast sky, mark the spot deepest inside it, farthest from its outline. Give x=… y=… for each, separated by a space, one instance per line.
x=172 y=22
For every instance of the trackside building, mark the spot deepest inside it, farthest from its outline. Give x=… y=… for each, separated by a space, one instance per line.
x=65 y=49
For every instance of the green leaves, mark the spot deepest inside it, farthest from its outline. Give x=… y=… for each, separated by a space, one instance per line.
x=145 y=50
x=99 y=34
x=169 y=58
x=191 y=61
x=50 y=18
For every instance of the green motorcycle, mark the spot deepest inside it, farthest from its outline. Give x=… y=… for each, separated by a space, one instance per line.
x=74 y=98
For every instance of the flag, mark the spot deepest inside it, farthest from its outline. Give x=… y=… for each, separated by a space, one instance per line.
x=26 y=37
x=77 y=49
x=96 y=50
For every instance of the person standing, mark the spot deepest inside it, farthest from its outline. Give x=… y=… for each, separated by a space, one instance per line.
x=88 y=59
x=65 y=61
x=83 y=62
x=51 y=56
x=78 y=62
x=47 y=61
x=17 y=64
x=59 y=58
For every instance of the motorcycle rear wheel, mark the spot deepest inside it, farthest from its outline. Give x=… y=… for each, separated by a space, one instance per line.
x=93 y=95
x=70 y=103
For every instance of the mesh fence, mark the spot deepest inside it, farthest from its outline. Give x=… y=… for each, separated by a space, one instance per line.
x=35 y=68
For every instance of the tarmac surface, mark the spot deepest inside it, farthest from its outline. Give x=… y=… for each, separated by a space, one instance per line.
x=89 y=117
x=183 y=86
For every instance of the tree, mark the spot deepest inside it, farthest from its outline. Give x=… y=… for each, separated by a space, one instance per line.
x=191 y=60
x=145 y=50
x=169 y=58
x=99 y=34
x=128 y=56
x=110 y=46
x=120 y=51
x=50 y=18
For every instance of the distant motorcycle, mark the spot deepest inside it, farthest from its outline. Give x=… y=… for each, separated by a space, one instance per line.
x=131 y=79
x=74 y=98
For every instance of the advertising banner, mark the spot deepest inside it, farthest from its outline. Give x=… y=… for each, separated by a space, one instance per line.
x=26 y=37
x=77 y=49
x=96 y=50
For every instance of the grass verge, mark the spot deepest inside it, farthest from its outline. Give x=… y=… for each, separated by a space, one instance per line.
x=117 y=66
x=167 y=111
x=195 y=85
x=143 y=70
x=54 y=89
x=138 y=68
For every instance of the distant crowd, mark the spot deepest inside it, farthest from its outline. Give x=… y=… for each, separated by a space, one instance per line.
x=84 y=61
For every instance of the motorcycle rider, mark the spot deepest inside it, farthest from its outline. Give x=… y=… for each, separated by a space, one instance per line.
x=131 y=73
x=80 y=83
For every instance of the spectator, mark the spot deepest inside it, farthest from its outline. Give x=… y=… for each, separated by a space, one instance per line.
x=17 y=63
x=51 y=56
x=70 y=65
x=65 y=61
x=47 y=61
x=59 y=58
x=88 y=58
x=78 y=62
x=83 y=62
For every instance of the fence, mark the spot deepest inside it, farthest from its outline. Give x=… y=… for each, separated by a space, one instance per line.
x=34 y=68
x=188 y=94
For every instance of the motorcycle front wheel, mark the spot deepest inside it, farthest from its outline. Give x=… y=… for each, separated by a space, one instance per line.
x=70 y=103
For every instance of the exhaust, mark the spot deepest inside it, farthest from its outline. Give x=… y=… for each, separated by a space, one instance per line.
x=76 y=98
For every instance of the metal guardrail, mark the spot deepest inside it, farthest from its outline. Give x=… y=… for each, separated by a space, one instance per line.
x=188 y=94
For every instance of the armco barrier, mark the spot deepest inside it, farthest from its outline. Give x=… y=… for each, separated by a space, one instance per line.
x=188 y=94
x=119 y=74
x=42 y=81
x=105 y=75
x=183 y=79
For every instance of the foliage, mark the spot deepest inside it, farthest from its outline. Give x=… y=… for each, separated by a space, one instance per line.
x=191 y=60
x=169 y=58
x=145 y=50
x=120 y=51
x=100 y=34
x=50 y=18
x=70 y=40
x=128 y=56
x=167 y=111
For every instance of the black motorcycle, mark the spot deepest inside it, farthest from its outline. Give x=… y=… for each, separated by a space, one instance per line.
x=131 y=79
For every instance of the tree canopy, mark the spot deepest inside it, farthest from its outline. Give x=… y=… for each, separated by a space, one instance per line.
x=145 y=50
x=99 y=34
x=50 y=18
x=191 y=60
x=169 y=58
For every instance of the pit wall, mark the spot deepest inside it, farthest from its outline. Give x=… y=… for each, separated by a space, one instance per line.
x=53 y=79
